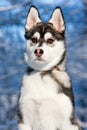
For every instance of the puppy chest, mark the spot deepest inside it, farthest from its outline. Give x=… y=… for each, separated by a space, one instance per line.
x=35 y=86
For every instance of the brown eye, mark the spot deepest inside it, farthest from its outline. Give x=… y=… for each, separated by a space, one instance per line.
x=34 y=40
x=50 y=41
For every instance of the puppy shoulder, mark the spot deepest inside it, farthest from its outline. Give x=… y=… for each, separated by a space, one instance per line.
x=63 y=77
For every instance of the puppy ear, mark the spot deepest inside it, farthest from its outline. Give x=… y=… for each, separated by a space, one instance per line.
x=32 y=18
x=57 y=20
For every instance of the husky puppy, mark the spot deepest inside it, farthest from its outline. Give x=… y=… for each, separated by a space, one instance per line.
x=46 y=100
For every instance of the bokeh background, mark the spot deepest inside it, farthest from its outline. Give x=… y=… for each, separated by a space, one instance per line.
x=12 y=46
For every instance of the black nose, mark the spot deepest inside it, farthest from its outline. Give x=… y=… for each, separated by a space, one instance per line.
x=38 y=52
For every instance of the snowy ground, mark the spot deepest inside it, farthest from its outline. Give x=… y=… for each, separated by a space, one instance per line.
x=12 y=47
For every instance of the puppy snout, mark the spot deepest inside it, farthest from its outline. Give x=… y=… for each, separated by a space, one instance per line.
x=38 y=52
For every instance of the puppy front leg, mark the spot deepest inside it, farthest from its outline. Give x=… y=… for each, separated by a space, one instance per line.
x=22 y=125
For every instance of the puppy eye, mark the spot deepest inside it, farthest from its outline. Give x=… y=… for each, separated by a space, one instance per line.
x=34 y=40
x=50 y=41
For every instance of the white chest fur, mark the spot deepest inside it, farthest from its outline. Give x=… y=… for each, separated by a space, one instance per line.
x=37 y=87
x=42 y=107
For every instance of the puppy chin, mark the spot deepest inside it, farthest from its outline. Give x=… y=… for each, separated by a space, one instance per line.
x=40 y=65
x=36 y=65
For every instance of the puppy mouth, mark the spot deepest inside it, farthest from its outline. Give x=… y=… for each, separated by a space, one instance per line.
x=39 y=59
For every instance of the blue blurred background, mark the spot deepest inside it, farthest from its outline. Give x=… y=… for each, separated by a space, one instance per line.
x=12 y=46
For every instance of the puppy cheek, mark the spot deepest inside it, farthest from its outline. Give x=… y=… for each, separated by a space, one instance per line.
x=46 y=54
x=49 y=54
x=30 y=52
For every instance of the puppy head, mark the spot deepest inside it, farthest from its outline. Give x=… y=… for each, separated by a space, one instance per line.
x=45 y=46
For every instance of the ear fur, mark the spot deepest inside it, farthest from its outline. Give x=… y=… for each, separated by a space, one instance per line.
x=32 y=18
x=57 y=20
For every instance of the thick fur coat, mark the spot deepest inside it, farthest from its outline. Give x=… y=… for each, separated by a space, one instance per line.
x=46 y=98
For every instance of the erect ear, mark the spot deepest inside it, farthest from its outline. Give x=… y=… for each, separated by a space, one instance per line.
x=32 y=18
x=57 y=20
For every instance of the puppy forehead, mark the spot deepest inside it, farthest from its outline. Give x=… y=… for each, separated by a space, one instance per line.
x=37 y=35
x=47 y=35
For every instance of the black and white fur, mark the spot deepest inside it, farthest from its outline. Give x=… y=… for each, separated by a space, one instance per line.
x=46 y=100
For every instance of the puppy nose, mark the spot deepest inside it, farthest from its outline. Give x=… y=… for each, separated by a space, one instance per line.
x=38 y=52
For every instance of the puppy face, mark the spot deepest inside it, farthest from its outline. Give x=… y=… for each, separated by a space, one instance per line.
x=45 y=41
